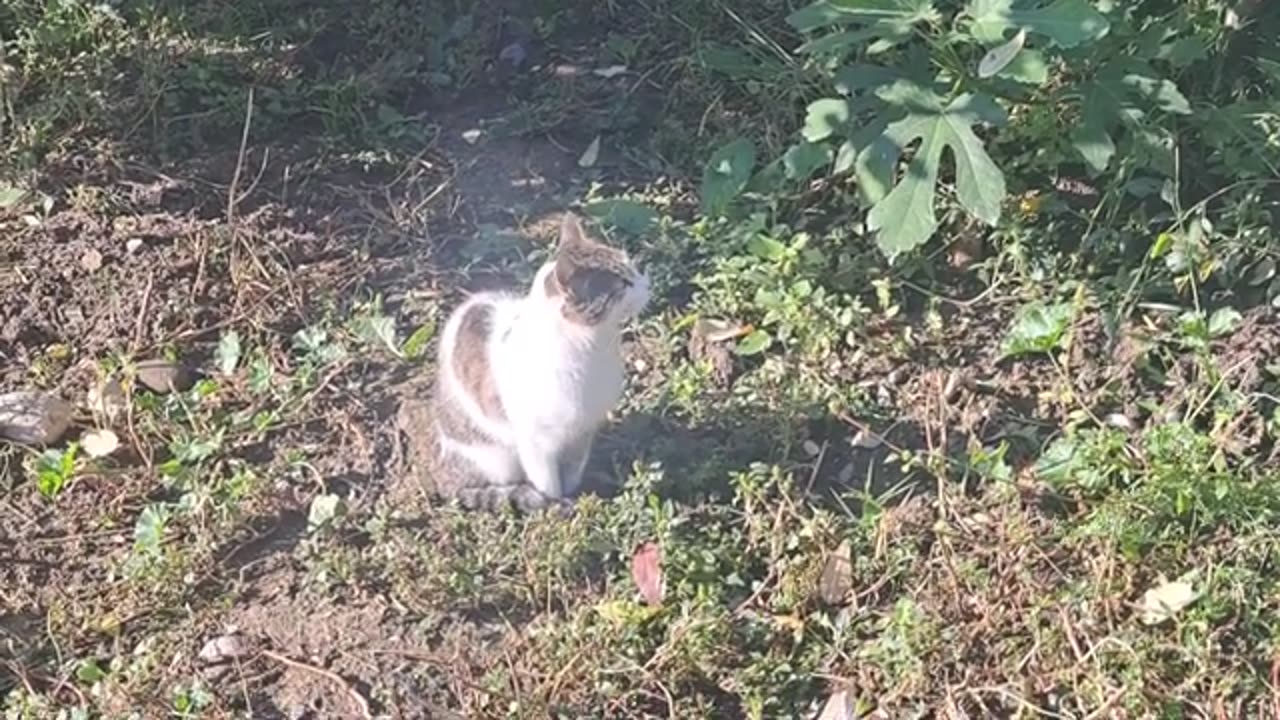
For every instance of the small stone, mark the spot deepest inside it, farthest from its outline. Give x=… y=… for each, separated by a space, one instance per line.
x=1119 y=420
x=91 y=260
x=224 y=648
x=133 y=245
x=99 y=443
x=33 y=418
x=812 y=448
x=163 y=376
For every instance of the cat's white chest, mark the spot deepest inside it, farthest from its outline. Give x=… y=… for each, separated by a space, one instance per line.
x=553 y=382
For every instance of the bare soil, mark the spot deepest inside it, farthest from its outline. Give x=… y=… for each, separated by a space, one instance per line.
x=151 y=260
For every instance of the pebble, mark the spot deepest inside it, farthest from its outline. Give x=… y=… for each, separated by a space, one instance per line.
x=33 y=418
x=133 y=245
x=163 y=376
x=224 y=648
x=91 y=260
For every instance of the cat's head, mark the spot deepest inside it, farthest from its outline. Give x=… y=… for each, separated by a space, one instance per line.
x=597 y=284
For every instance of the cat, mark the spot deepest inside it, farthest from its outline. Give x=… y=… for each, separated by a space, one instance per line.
x=523 y=383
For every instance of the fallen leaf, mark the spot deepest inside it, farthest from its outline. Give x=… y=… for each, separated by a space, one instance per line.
x=838 y=707
x=99 y=443
x=591 y=154
x=1166 y=600
x=646 y=570
x=837 y=575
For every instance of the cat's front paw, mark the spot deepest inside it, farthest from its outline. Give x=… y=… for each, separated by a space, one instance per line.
x=528 y=500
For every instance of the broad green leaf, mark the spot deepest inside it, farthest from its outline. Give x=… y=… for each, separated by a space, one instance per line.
x=726 y=174
x=832 y=12
x=1067 y=23
x=999 y=57
x=1038 y=328
x=1028 y=68
x=825 y=118
x=803 y=159
x=1161 y=93
x=1116 y=98
x=904 y=218
x=1090 y=138
x=753 y=344
x=626 y=215
x=856 y=77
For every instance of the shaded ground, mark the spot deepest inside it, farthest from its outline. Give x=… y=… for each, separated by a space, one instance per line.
x=407 y=608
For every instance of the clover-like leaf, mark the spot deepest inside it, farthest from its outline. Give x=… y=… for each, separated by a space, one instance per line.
x=1067 y=23
x=904 y=218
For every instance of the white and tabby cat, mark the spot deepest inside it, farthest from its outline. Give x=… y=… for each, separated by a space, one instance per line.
x=523 y=383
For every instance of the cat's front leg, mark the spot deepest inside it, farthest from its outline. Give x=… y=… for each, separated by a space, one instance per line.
x=573 y=461
x=541 y=464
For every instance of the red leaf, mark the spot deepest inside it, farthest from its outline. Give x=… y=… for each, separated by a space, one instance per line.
x=646 y=570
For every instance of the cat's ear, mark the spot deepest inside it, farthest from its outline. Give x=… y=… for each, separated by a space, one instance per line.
x=568 y=253
x=572 y=233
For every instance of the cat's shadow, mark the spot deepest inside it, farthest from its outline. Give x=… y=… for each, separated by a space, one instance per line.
x=698 y=460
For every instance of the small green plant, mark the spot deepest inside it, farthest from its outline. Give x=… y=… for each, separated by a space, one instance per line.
x=55 y=469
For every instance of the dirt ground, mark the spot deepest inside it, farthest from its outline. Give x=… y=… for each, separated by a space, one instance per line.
x=155 y=261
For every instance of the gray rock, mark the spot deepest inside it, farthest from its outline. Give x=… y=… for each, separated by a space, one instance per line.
x=33 y=418
x=225 y=648
x=163 y=376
